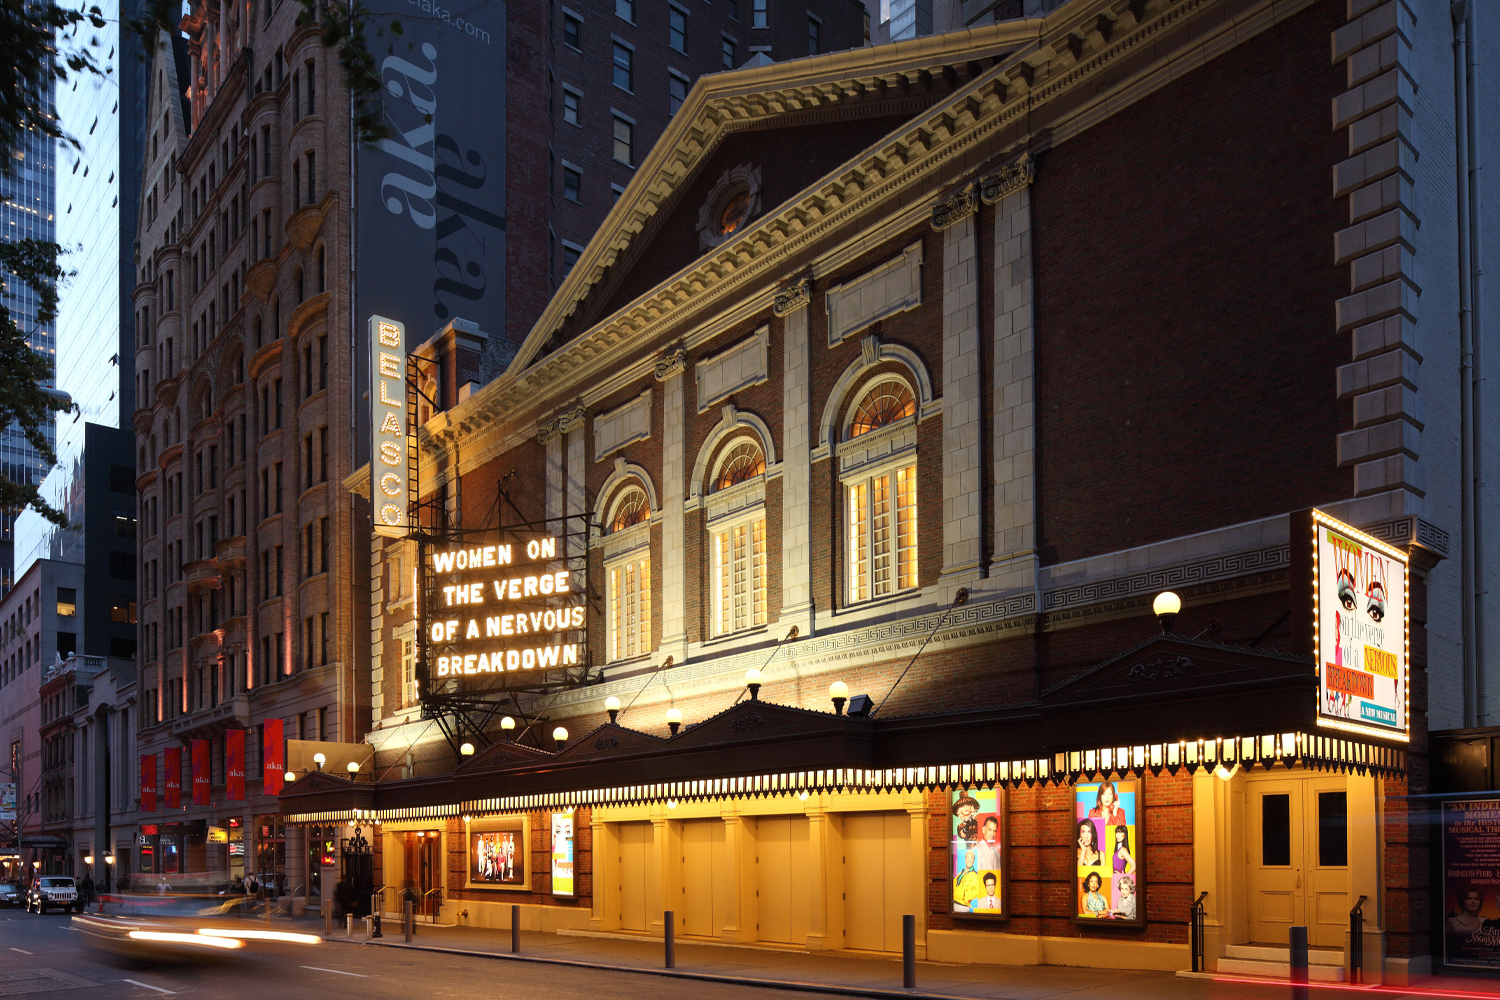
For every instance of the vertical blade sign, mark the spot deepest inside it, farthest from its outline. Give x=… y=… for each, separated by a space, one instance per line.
x=388 y=473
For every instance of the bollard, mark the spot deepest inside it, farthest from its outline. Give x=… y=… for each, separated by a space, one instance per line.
x=376 y=903
x=348 y=925
x=515 y=928
x=669 y=937
x=407 y=920
x=1298 y=940
x=909 y=952
x=369 y=927
x=327 y=919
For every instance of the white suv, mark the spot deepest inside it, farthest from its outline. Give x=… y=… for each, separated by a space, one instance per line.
x=52 y=890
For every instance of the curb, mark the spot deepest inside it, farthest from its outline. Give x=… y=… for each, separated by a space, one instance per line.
x=885 y=993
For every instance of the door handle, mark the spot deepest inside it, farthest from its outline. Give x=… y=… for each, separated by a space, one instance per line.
x=1299 y=880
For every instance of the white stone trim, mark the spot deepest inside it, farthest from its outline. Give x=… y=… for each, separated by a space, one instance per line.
x=731 y=420
x=886 y=289
x=1013 y=558
x=963 y=495
x=867 y=453
x=625 y=424
x=796 y=483
x=742 y=364
x=673 y=521
x=606 y=501
x=873 y=351
x=738 y=501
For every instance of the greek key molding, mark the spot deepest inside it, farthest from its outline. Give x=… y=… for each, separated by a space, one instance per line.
x=564 y=422
x=955 y=208
x=674 y=363
x=789 y=300
x=1219 y=567
x=1010 y=178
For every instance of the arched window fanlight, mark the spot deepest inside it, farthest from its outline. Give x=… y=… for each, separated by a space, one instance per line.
x=885 y=404
x=632 y=509
x=744 y=461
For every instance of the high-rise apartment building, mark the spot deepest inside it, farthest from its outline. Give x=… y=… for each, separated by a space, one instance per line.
x=253 y=557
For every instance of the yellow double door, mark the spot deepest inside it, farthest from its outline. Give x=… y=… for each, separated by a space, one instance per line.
x=1297 y=858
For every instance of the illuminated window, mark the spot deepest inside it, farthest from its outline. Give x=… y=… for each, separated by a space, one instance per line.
x=408 y=673
x=883 y=534
x=67 y=602
x=744 y=461
x=632 y=509
x=885 y=404
x=630 y=606
x=739 y=546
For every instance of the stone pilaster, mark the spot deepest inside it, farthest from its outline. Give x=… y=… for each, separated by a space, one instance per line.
x=673 y=492
x=796 y=461
x=963 y=507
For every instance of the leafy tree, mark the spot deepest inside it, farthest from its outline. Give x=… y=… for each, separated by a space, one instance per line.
x=40 y=44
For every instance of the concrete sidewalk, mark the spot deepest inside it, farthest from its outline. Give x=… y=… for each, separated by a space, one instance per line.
x=851 y=974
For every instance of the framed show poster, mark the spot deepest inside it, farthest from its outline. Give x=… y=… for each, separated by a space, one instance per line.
x=500 y=853
x=976 y=828
x=1109 y=845
x=562 y=853
x=1471 y=884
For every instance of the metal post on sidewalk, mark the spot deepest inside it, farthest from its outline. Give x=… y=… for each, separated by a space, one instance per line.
x=369 y=928
x=327 y=919
x=1298 y=941
x=377 y=903
x=406 y=919
x=515 y=928
x=909 y=952
x=348 y=925
x=669 y=937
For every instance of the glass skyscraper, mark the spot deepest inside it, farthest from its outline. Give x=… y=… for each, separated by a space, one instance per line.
x=28 y=207
x=95 y=210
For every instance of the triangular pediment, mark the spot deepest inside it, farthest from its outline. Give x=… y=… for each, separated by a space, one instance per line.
x=761 y=721
x=1166 y=668
x=502 y=756
x=609 y=740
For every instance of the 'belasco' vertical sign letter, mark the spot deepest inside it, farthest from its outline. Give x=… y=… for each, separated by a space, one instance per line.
x=388 y=423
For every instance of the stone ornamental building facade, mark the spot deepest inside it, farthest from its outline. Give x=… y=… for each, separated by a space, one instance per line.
x=917 y=372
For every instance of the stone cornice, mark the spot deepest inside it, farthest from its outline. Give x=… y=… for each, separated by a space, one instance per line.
x=1059 y=56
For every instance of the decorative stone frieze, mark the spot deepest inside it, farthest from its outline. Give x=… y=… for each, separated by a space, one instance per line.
x=956 y=207
x=1012 y=177
x=672 y=365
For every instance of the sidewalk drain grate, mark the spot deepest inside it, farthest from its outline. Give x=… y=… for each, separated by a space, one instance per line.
x=39 y=981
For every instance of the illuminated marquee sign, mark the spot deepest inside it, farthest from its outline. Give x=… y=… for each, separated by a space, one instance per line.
x=388 y=473
x=503 y=608
x=1360 y=634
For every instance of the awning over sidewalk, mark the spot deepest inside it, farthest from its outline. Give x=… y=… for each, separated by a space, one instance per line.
x=1167 y=704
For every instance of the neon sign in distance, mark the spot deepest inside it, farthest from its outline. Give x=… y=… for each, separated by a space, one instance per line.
x=503 y=608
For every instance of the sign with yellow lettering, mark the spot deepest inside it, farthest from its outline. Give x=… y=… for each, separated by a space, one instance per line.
x=388 y=470
x=509 y=608
x=1360 y=631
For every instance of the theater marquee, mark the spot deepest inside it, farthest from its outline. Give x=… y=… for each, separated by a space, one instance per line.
x=502 y=609
x=387 y=395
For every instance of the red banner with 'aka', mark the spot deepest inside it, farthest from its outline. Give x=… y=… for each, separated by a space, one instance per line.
x=172 y=761
x=201 y=777
x=273 y=755
x=234 y=765
x=148 y=782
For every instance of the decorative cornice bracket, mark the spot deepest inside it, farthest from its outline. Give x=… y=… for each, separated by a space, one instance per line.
x=561 y=424
x=956 y=207
x=674 y=363
x=790 y=299
x=1010 y=178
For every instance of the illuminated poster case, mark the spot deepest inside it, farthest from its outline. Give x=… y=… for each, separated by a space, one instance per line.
x=977 y=834
x=1351 y=612
x=499 y=853
x=1109 y=845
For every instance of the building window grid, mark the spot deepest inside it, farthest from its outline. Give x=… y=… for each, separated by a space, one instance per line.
x=882 y=533
x=630 y=607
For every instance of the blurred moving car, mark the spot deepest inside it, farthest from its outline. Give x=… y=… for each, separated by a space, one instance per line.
x=11 y=894
x=185 y=928
x=53 y=890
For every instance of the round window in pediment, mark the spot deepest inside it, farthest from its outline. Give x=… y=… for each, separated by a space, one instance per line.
x=730 y=206
x=732 y=217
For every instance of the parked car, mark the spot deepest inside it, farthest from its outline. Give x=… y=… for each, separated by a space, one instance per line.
x=53 y=890
x=11 y=894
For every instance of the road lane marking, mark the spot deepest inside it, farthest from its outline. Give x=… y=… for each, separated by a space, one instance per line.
x=336 y=972
x=22 y=951
x=148 y=986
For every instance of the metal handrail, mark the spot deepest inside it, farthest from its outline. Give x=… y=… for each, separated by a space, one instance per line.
x=1196 y=916
x=439 y=892
x=1357 y=941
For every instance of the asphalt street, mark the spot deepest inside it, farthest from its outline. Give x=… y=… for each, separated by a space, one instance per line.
x=43 y=954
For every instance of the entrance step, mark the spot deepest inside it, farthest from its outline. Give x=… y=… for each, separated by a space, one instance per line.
x=1323 y=966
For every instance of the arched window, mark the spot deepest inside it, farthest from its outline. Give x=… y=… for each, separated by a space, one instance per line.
x=631 y=509
x=885 y=404
x=744 y=461
x=739 y=546
x=880 y=499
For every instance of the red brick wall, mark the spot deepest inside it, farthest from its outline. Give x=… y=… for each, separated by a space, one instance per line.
x=1192 y=218
x=1042 y=889
x=540 y=893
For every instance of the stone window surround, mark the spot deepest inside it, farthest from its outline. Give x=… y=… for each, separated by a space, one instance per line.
x=839 y=405
x=731 y=181
x=741 y=505
x=611 y=492
x=733 y=421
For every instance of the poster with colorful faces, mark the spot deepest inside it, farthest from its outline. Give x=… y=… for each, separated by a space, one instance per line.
x=1361 y=631
x=976 y=828
x=1106 y=839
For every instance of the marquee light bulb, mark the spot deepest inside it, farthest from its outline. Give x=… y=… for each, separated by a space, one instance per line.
x=612 y=704
x=467 y=749
x=752 y=676
x=674 y=715
x=507 y=723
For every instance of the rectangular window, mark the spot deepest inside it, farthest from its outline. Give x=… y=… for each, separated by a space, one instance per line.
x=677 y=88
x=572 y=32
x=759 y=14
x=882 y=540
x=312 y=88
x=323 y=362
x=727 y=47
x=572 y=185
x=1333 y=829
x=624 y=77
x=572 y=107
x=625 y=10
x=323 y=637
x=630 y=608
x=67 y=601
x=570 y=256
x=1275 y=831
x=624 y=132
x=814 y=31
x=740 y=577
x=677 y=29
x=323 y=454
x=323 y=545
